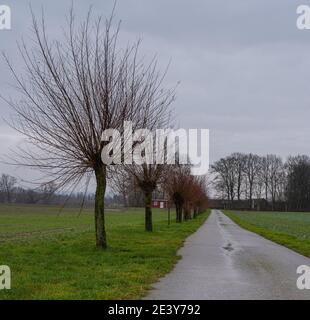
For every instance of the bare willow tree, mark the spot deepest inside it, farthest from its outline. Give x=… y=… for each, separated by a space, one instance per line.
x=74 y=89
x=147 y=177
x=176 y=183
x=196 y=199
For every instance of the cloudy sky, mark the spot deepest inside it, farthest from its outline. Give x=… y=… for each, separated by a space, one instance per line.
x=243 y=66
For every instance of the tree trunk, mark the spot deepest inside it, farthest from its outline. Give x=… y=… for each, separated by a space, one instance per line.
x=187 y=213
x=125 y=200
x=169 y=214
x=101 y=241
x=148 y=211
x=178 y=209
x=181 y=213
x=195 y=211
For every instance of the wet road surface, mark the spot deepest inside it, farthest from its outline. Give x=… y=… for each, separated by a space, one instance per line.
x=223 y=261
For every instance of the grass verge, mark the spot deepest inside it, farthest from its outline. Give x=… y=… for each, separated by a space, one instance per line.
x=290 y=229
x=53 y=256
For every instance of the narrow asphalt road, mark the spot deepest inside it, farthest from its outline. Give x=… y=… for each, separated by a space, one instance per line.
x=223 y=261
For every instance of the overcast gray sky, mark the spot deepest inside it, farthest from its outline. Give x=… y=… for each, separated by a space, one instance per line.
x=243 y=65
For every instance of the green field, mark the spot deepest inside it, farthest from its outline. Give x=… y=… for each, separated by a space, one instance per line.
x=53 y=256
x=291 y=229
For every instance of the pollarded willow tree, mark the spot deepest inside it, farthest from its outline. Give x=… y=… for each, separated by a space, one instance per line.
x=176 y=186
x=147 y=170
x=147 y=177
x=73 y=90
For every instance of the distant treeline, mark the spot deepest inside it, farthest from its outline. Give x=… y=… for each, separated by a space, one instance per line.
x=265 y=182
x=11 y=192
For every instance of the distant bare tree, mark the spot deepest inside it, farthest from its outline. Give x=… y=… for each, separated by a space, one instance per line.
x=251 y=170
x=238 y=163
x=32 y=197
x=122 y=183
x=264 y=173
x=48 y=190
x=298 y=182
x=7 y=184
x=275 y=178
x=226 y=176
x=75 y=89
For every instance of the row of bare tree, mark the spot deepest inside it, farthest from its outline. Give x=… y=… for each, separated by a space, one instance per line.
x=188 y=193
x=185 y=192
x=249 y=176
x=73 y=90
